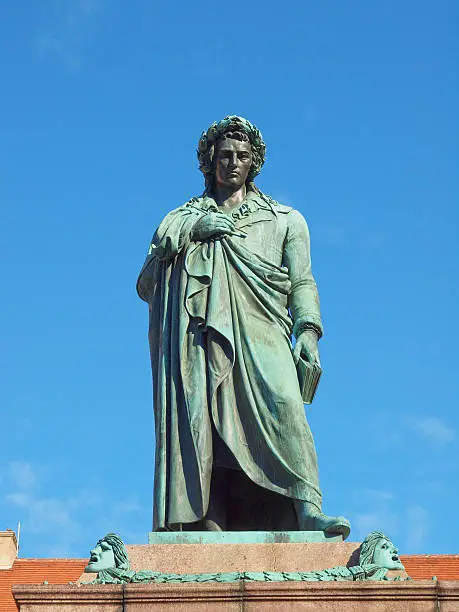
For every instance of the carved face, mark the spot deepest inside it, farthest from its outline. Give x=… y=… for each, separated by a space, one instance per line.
x=386 y=555
x=102 y=557
x=232 y=160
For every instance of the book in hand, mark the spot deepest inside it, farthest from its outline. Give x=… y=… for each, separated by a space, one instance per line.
x=308 y=377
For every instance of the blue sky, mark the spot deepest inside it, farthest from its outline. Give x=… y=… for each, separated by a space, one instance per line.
x=102 y=105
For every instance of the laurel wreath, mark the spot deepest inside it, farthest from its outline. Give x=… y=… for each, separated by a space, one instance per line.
x=206 y=145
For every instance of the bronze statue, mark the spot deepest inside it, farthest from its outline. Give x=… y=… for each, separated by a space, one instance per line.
x=228 y=280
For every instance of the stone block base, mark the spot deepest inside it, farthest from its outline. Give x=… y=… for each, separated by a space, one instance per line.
x=255 y=557
x=415 y=596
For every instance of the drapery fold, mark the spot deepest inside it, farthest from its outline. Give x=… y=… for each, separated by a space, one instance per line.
x=220 y=349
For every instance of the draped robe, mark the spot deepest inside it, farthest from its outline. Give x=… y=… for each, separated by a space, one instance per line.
x=221 y=317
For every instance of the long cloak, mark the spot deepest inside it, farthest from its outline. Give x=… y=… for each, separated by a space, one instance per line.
x=221 y=354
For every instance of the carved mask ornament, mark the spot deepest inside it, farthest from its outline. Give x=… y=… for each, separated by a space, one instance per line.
x=386 y=555
x=102 y=557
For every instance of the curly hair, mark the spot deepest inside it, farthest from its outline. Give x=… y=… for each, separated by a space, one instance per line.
x=237 y=128
x=119 y=550
x=367 y=550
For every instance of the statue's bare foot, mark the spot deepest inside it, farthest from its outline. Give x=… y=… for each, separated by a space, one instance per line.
x=329 y=524
x=211 y=525
x=311 y=519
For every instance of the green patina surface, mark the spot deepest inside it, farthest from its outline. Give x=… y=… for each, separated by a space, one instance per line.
x=228 y=280
x=240 y=537
x=333 y=574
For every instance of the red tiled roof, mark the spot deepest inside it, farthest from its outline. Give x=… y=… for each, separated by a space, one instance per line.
x=424 y=567
x=62 y=571
x=36 y=571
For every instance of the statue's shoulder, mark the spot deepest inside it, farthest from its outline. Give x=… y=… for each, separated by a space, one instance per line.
x=197 y=202
x=275 y=206
x=282 y=208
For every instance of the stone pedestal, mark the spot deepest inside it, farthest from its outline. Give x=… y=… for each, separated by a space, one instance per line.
x=210 y=552
x=194 y=554
x=415 y=596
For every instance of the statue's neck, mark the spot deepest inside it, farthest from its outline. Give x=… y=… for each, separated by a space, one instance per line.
x=228 y=198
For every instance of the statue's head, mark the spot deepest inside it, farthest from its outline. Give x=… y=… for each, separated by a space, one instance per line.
x=231 y=138
x=377 y=549
x=108 y=553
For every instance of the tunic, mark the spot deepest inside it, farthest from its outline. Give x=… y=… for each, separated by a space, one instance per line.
x=222 y=313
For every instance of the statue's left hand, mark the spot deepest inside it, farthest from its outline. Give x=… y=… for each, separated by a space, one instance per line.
x=307 y=346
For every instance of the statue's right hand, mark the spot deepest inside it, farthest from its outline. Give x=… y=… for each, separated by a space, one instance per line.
x=212 y=225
